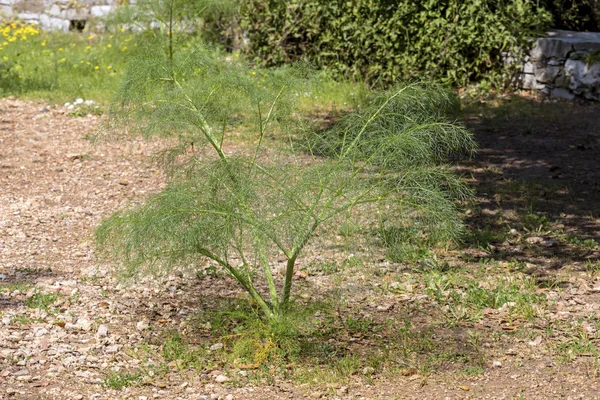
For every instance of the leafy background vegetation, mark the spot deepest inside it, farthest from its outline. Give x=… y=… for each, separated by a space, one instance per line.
x=382 y=42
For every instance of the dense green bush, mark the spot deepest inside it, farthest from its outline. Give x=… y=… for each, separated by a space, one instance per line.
x=577 y=15
x=383 y=41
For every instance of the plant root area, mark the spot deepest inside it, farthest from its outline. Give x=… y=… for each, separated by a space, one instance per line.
x=512 y=313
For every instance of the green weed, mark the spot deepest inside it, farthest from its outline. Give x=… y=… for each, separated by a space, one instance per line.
x=471 y=370
x=483 y=238
x=119 y=380
x=407 y=253
x=21 y=319
x=535 y=223
x=41 y=300
x=588 y=244
x=463 y=299
x=176 y=349
x=579 y=344
x=592 y=267
x=326 y=268
x=11 y=287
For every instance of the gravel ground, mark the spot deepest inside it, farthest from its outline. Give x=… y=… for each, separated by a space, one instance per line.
x=56 y=185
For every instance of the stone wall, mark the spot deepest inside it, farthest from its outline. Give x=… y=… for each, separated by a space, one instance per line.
x=564 y=64
x=61 y=15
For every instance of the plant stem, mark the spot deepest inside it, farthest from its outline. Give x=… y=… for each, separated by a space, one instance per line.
x=246 y=284
x=287 y=285
x=171 y=5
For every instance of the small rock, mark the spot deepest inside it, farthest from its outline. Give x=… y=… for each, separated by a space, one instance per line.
x=216 y=346
x=142 y=325
x=22 y=372
x=221 y=379
x=343 y=390
x=102 y=331
x=143 y=398
x=229 y=397
x=497 y=364
x=368 y=371
x=511 y=352
x=534 y=240
x=112 y=349
x=316 y=395
x=536 y=341
x=41 y=332
x=83 y=324
x=550 y=243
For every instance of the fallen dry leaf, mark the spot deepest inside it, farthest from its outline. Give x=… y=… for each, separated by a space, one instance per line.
x=510 y=327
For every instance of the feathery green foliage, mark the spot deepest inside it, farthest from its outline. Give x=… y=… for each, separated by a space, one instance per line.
x=242 y=209
x=408 y=140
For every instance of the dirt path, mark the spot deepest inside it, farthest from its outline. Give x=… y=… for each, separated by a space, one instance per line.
x=66 y=324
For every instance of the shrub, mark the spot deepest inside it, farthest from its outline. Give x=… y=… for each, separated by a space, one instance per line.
x=384 y=41
x=241 y=211
x=576 y=15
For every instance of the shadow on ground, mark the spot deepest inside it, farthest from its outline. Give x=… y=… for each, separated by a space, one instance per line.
x=538 y=172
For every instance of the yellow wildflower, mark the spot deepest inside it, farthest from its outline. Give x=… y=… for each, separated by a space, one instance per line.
x=88 y=47
x=62 y=60
x=60 y=49
x=109 y=45
x=96 y=68
x=124 y=48
x=109 y=67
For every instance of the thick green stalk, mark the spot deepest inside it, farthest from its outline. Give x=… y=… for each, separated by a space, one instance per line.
x=269 y=276
x=287 y=285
